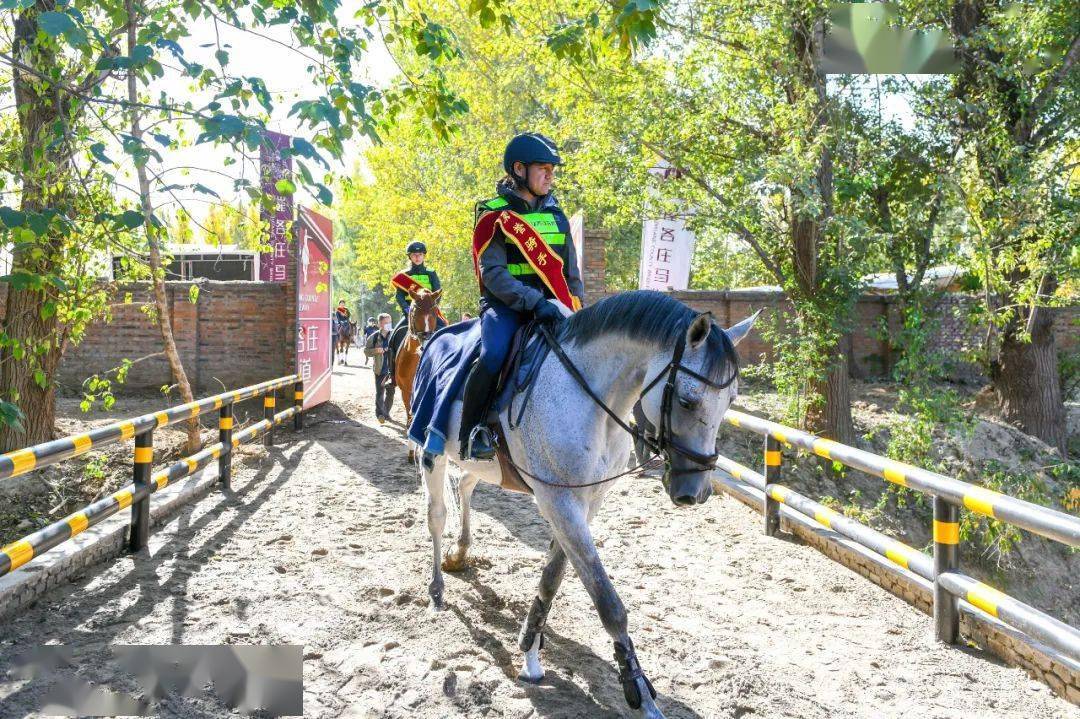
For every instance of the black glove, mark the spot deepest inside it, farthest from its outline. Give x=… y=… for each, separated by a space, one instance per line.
x=546 y=311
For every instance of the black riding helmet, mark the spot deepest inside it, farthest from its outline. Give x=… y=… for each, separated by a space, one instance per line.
x=416 y=247
x=528 y=148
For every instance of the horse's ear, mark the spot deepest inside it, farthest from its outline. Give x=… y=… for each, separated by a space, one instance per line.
x=738 y=332
x=699 y=329
x=437 y=294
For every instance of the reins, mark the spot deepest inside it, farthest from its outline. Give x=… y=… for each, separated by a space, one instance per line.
x=664 y=444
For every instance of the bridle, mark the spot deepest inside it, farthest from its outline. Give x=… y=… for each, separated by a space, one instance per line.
x=664 y=443
x=421 y=336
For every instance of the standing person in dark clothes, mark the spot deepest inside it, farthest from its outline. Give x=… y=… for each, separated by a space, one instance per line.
x=377 y=347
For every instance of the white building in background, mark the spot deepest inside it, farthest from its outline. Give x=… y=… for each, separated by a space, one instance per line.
x=212 y=262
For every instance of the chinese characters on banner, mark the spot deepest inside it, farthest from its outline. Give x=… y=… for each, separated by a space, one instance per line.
x=667 y=247
x=314 y=240
x=273 y=167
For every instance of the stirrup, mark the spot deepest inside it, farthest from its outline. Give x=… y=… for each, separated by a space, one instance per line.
x=478 y=431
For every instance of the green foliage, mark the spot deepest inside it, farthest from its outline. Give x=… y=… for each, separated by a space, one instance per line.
x=996 y=538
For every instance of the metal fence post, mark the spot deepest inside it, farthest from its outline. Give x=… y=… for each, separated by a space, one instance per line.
x=946 y=559
x=298 y=400
x=140 y=510
x=269 y=403
x=772 y=476
x=225 y=428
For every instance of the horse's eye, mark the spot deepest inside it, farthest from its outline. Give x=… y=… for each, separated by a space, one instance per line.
x=688 y=403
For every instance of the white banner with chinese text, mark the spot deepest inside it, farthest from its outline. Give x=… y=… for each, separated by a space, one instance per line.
x=666 y=249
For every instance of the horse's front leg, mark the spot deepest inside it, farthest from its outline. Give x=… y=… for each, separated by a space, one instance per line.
x=434 y=480
x=531 y=638
x=569 y=522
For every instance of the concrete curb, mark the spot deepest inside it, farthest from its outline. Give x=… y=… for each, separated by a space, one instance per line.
x=1040 y=662
x=97 y=544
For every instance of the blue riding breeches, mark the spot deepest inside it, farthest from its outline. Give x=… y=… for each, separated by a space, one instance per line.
x=498 y=323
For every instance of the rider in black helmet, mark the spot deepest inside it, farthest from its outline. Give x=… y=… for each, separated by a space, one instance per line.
x=426 y=278
x=513 y=291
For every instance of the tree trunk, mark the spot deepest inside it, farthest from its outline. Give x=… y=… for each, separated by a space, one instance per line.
x=161 y=300
x=832 y=418
x=38 y=404
x=1025 y=378
x=40 y=110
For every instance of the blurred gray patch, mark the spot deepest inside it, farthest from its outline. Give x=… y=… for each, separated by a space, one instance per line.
x=40 y=662
x=866 y=39
x=71 y=697
x=248 y=678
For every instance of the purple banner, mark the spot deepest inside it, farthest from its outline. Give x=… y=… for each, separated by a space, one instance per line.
x=272 y=168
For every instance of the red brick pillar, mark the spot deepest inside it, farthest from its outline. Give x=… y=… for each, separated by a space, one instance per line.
x=595 y=266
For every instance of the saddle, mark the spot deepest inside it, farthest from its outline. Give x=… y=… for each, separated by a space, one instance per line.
x=517 y=375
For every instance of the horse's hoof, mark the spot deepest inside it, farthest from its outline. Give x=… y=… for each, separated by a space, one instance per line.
x=437 y=604
x=528 y=678
x=412 y=460
x=454 y=564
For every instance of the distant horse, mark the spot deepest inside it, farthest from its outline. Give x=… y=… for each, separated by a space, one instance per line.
x=343 y=337
x=423 y=318
x=632 y=347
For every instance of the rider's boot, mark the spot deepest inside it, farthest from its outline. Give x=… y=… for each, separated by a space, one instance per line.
x=475 y=437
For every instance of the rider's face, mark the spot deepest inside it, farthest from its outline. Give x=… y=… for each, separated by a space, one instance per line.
x=417 y=258
x=540 y=176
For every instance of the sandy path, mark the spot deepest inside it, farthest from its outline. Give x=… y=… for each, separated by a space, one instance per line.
x=324 y=544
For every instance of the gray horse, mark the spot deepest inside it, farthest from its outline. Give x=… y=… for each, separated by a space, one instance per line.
x=635 y=345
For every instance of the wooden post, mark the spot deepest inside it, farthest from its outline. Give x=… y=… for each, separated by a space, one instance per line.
x=225 y=430
x=772 y=476
x=946 y=559
x=140 y=509
x=298 y=399
x=269 y=403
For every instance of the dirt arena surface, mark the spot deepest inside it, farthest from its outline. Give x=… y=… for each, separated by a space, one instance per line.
x=323 y=543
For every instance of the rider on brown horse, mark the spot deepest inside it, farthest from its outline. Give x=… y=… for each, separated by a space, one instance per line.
x=416 y=278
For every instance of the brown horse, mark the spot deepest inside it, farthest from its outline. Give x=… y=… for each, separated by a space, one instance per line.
x=343 y=338
x=422 y=324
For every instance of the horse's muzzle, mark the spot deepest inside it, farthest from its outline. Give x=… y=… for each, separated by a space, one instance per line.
x=687 y=497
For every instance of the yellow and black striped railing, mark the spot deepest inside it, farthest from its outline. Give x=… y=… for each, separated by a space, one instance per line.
x=137 y=494
x=942 y=569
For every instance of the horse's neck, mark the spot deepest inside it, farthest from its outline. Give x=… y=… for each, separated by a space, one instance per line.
x=614 y=369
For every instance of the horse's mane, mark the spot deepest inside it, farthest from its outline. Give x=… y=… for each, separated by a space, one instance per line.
x=654 y=318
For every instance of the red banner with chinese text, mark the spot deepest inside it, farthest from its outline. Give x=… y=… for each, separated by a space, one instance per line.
x=315 y=246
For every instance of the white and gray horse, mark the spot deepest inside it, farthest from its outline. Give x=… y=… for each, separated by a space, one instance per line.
x=635 y=345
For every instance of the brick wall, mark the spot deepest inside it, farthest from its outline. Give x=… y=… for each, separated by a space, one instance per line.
x=237 y=333
x=872 y=356
x=594 y=269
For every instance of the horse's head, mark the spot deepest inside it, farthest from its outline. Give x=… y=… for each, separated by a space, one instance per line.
x=423 y=314
x=685 y=398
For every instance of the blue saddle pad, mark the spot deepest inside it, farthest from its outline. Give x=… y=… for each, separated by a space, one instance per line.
x=440 y=380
